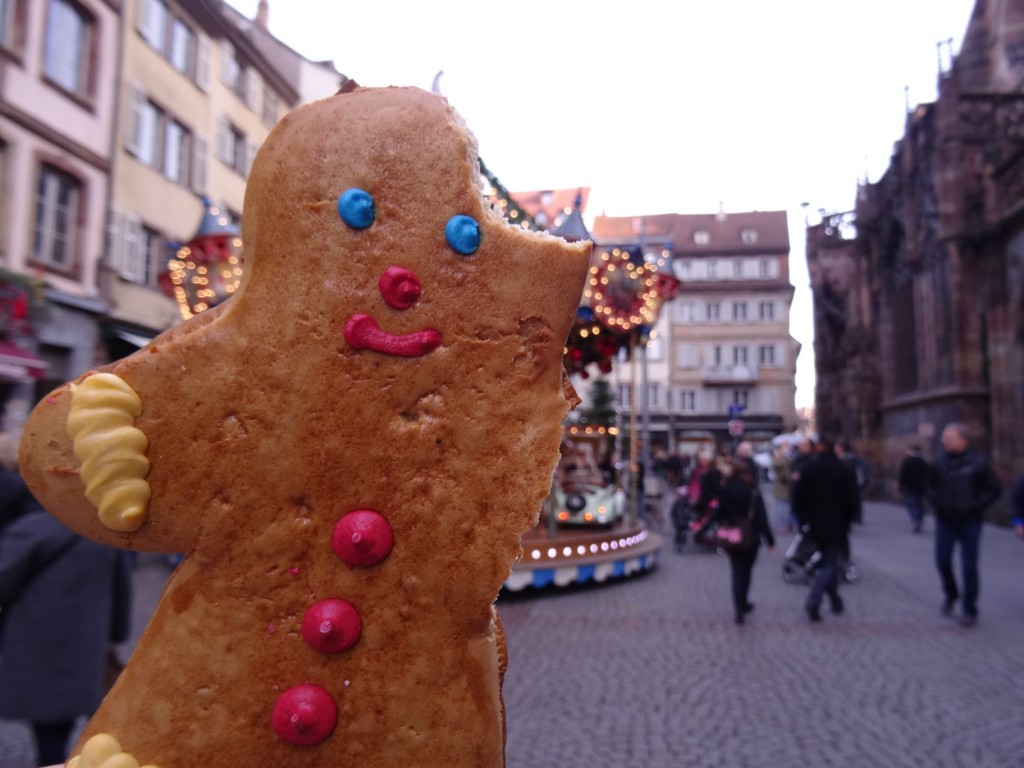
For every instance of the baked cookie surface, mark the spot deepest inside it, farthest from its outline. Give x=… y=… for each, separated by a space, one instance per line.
x=347 y=452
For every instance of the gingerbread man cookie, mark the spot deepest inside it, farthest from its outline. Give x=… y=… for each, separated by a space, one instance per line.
x=347 y=452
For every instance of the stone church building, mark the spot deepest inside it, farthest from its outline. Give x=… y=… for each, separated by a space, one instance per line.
x=919 y=291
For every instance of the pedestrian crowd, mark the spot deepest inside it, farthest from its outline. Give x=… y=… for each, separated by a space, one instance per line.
x=815 y=487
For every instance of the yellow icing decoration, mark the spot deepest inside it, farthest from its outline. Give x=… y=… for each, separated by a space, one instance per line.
x=111 y=450
x=104 y=751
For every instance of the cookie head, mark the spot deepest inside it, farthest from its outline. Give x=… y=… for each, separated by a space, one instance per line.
x=407 y=251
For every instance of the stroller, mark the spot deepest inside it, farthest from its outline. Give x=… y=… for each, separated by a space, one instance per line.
x=803 y=559
x=687 y=521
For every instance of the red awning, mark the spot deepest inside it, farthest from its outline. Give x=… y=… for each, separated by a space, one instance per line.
x=17 y=364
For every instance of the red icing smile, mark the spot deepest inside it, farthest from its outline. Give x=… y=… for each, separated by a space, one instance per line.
x=362 y=332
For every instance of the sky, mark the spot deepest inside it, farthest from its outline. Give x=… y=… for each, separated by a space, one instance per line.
x=660 y=106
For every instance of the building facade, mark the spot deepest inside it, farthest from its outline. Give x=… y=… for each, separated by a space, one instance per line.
x=199 y=95
x=58 y=76
x=918 y=296
x=117 y=119
x=721 y=350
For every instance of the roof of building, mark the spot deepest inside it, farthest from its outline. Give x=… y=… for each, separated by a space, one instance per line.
x=549 y=207
x=283 y=57
x=571 y=227
x=697 y=233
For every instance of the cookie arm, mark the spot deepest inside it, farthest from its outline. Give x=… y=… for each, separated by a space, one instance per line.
x=86 y=460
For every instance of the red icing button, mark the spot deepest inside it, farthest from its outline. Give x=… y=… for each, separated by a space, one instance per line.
x=362 y=332
x=331 y=626
x=304 y=715
x=399 y=287
x=362 y=538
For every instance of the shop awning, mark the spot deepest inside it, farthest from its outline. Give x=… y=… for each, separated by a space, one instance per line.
x=133 y=338
x=19 y=365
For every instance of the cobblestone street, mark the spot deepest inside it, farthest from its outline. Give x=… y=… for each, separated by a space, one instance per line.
x=651 y=671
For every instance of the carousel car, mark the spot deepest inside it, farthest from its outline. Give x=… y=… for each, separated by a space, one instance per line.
x=582 y=494
x=588 y=503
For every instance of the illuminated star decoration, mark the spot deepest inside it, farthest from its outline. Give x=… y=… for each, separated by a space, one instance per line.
x=621 y=302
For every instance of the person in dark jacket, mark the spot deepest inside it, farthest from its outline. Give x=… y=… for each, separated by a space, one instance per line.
x=804 y=454
x=739 y=499
x=63 y=601
x=910 y=481
x=960 y=486
x=826 y=500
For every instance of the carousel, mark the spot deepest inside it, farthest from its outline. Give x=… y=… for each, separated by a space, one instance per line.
x=591 y=528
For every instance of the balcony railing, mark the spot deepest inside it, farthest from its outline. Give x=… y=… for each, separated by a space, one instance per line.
x=728 y=374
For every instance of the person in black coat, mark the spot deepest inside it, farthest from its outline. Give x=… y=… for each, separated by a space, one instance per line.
x=826 y=500
x=960 y=486
x=63 y=601
x=911 y=480
x=739 y=499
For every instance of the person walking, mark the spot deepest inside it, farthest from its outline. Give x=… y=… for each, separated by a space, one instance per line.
x=63 y=601
x=960 y=485
x=910 y=482
x=805 y=453
x=739 y=501
x=784 y=522
x=826 y=500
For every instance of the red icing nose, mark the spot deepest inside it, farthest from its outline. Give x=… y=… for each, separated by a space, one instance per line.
x=399 y=287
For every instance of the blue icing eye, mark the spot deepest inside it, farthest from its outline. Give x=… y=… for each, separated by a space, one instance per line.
x=356 y=208
x=462 y=234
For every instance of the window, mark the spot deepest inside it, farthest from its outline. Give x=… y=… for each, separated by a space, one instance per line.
x=701 y=237
x=764 y=268
x=147 y=123
x=766 y=355
x=12 y=25
x=67 y=55
x=766 y=310
x=739 y=355
x=714 y=311
x=183 y=45
x=6 y=22
x=653 y=393
x=171 y=35
x=684 y=311
x=716 y=354
x=234 y=75
x=232 y=148
x=687 y=400
x=175 y=152
x=152 y=23
x=686 y=355
x=739 y=310
x=152 y=255
x=740 y=397
x=163 y=143
x=748 y=236
x=57 y=202
x=269 y=106
x=144 y=254
x=737 y=268
x=712 y=269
